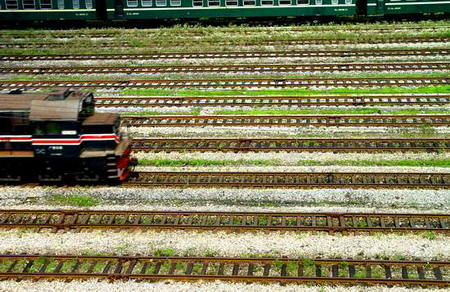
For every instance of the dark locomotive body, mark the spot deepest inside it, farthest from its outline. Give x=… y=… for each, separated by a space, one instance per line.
x=59 y=137
x=112 y=10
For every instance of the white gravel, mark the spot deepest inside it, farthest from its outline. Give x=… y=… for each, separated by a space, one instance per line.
x=289 y=158
x=191 y=243
x=170 y=286
x=307 y=169
x=261 y=132
x=207 y=61
x=211 y=207
x=368 y=198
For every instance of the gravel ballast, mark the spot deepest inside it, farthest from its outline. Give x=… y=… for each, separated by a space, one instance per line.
x=170 y=286
x=366 y=198
x=191 y=243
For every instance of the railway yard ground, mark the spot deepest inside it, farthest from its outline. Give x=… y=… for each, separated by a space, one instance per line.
x=287 y=158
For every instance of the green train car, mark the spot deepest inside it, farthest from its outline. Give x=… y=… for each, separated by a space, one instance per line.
x=45 y=10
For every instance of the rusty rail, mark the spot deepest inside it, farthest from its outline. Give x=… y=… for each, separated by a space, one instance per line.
x=77 y=220
x=279 y=270
x=228 y=83
x=242 y=68
x=288 y=120
x=234 y=55
x=297 y=180
x=290 y=144
x=285 y=100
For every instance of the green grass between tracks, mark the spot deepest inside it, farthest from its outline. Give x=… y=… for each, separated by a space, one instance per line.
x=300 y=91
x=438 y=162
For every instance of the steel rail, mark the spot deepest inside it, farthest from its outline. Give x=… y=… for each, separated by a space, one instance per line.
x=280 y=270
x=284 y=100
x=243 y=54
x=290 y=179
x=240 y=42
x=78 y=220
x=161 y=69
x=291 y=144
x=228 y=83
x=288 y=120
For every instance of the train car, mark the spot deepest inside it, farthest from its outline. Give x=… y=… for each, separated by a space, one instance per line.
x=47 y=10
x=112 y=10
x=59 y=137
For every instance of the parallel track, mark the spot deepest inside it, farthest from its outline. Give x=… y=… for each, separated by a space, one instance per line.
x=290 y=180
x=285 y=100
x=240 y=42
x=78 y=220
x=262 y=68
x=233 y=55
x=289 y=120
x=228 y=83
x=282 y=270
x=290 y=145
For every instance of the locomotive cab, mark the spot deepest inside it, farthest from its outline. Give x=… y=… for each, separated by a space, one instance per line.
x=59 y=137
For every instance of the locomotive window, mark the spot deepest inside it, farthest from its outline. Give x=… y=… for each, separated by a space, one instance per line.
x=60 y=4
x=47 y=128
x=213 y=2
x=318 y=2
x=88 y=4
x=147 y=3
x=46 y=4
x=249 y=2
x=285 y=2
x=11 y=4
x=348 y=2
x=132 y=3
x=28 y=4
x=302 y=2
x=334 y=2
x=197 y=3
x=266 y=2
x=76 y=4
x=175 y=2
x=161 y=2
x=232 y=3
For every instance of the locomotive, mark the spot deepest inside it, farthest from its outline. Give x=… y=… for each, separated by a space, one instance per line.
x=58 y=137
x=112 y=10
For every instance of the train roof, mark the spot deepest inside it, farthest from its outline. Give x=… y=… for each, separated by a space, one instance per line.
x=101 y=119
x=60 y=105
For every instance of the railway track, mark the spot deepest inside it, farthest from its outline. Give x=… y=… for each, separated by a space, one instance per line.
x=286 y=100
x=259 y=68
x=288 y=120
x=290 y=179
x=240 y=42
x=228 y=83
x=290 y=145
x=233 y=55
x=78 y=220
x=279 y=270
